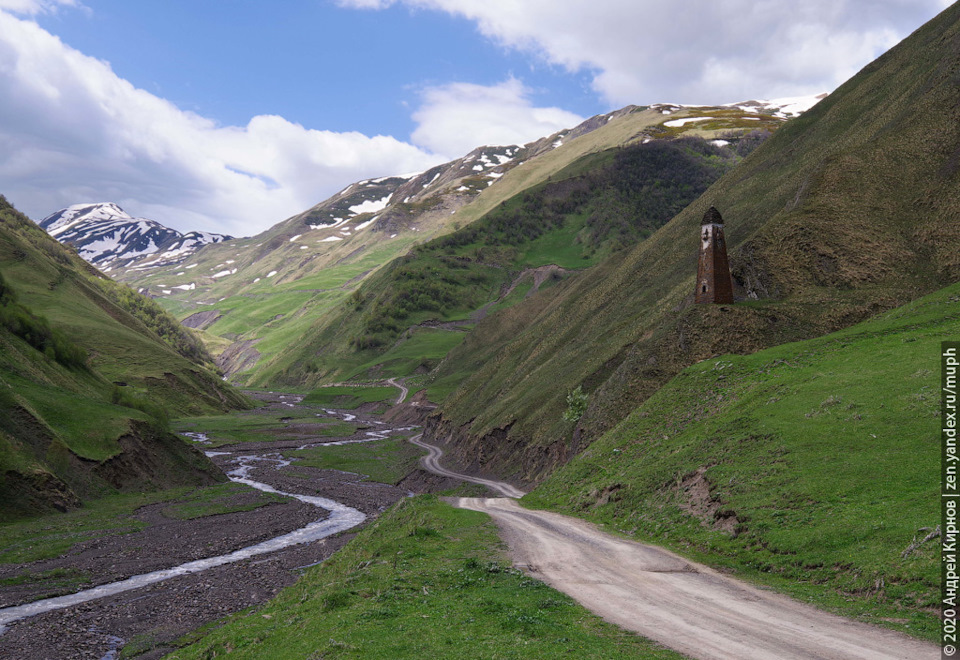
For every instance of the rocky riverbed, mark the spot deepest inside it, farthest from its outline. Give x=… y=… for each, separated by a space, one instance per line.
x=145 y=622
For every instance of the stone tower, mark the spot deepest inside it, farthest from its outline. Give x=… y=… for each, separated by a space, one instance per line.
x=714 y=284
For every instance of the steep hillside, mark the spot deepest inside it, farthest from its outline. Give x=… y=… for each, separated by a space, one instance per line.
x=86 y=382
x=848 y=210
x=422 y=303
x=106 y=236
x=807 y=466
x=254 y=297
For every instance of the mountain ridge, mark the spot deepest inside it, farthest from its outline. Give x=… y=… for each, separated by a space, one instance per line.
x=846 y=211
x=106 y=236
x=307 y=264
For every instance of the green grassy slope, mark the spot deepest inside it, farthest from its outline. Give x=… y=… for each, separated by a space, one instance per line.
x=85 y=386
x=811 y=465
x=574 y=220
x=846 y=211
x=270 y=289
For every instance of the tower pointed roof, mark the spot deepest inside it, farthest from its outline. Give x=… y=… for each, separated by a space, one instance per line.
x=711 y=217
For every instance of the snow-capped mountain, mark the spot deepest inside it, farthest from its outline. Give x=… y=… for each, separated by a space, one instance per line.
x=106 y=236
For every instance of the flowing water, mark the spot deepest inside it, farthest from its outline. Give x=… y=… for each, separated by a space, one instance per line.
x=341 y=518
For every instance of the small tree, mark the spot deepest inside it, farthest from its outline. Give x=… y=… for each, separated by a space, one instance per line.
x=576 y=405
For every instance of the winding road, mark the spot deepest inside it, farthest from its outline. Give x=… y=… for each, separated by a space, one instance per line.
x=683 y=605
x=403 y=390
x=431 y=462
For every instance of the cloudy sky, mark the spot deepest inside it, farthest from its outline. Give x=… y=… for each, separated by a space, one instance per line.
x=231 y=116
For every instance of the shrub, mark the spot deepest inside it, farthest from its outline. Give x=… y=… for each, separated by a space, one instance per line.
x=576 y=405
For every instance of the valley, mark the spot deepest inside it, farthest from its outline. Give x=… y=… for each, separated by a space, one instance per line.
x=246 y=545
x=499 y=407
x=212 y=551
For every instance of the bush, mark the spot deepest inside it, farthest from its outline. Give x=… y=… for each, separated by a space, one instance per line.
x=576 y=405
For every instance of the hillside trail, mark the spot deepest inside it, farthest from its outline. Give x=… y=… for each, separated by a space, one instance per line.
x=681 y=604
x=404 y=391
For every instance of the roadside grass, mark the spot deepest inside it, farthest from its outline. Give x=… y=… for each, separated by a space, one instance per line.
x=826 y=451
x=385 y=461
x=350 y=398
x=424 y=580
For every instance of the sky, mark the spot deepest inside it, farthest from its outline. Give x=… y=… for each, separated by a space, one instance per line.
x=232 y=115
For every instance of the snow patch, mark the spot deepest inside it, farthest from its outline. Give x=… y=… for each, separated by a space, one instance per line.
x=685 y=120
x=371 y=206
x=364 y=225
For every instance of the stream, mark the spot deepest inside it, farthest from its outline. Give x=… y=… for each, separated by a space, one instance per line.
x=341 y=518
x=94 y=622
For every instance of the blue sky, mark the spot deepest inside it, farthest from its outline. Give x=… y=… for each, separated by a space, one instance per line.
x=231 y=116
x=312 y=62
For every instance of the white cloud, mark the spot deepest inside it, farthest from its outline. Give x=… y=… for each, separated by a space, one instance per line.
x=711 y=51
x=72 y=131
x=456 y=118
x=32 y=7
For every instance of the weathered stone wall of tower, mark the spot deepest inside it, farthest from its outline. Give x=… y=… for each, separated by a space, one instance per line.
x=714 y=284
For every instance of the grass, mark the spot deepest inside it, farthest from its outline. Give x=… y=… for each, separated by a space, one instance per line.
x=61 y=578
x=217 y=500
x=822 y=227
x=826 y=452
x=259 y=426
x=425 y=580
x=573 y=220
x=53 y=535
x=350 y=398
x=384 y=461
x=422 y=350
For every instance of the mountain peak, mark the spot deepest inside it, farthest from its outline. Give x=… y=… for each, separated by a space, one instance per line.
x=108 y=237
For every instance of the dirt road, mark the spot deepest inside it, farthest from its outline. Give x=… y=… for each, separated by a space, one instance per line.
x=431 y=462
x=403 y=391
x=680 y=604
x=686 y=606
